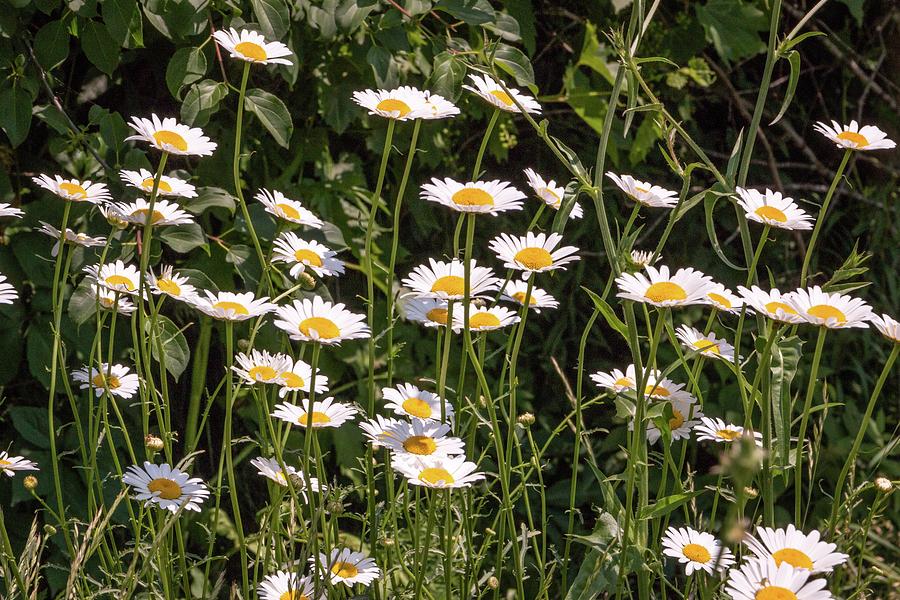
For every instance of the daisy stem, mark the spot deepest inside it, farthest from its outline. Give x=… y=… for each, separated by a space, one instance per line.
x=751 y=272
x=631 y=220
x=431 y=500
x=804 y=421
x=448 y=545
x=537 y=217
x=198 y=383
x=11 y=561
x=476 y=170
x=766 y=479
x=821 y=218
x=311 y=494
x=513 y=364
x=445 y=362
x=860 y=436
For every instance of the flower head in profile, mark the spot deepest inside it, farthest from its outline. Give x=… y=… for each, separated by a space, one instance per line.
x=348 y=567
x=888 y=327
x=270 y=469
x=798 y=549
x=10 y=464
x=642 y=258
x=118 y=380
x=533 y=253
x=854 y=137
x=404 y=103
x=436 y=107
x=276 y=203
x=773 y=209
x=491 y=92
x=550 y=193
x=261 y=366
x=685 y=415
x=78 y=239
x=320 y=321
x=705 y=344
x=172 y=285
x=168 y=186
x=171 y=136
x=655 y=386
x=430 y=312
x=717 y=430
x=8 y=293
x=723 y=299
x=419 y=437
x=164 y=213
x=287 y=585
x=252 y=47
x=490 y=197
x=764 y=580
x=644 y=192
x=116 y=276
x=167 y=487
x=446 y=280
x=110 y=300
x=324 y=413
x=303 y=255
x=438 y=471
x=835 y=311
x=229 y=306
x=696 y=550
x=73 y=189
x=516 y=291
x=298 y=377
x=409 y=401
x=378 y=429
x=772 y=304
x=661 y=288
x=484 y=318
x=8 y=210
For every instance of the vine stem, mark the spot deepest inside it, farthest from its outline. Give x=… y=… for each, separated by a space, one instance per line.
x=804 y=421
x=821 y=218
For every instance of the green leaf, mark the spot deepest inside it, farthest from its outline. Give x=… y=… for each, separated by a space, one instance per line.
x=210 y=197
x=273 y=114
x=594 y=55
x=51 y=44
x=30 y=423
x=170 y=339
x=513 y=61
x=273 y=17
x=15 y=116
x=201 y=101
x=121 y=17
x=732 y=26
x=473 y=12
x=793 y=58
x=709 y=204
x=380 y=60
x=99 y=46
x=183 y=238
x=447 y=76
x=783 y=366
x=185 y=67
x=666 y=505
x=609 y=315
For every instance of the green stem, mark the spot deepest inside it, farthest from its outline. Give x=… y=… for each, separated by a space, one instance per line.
x=198 y=384
x=820 y=219
x=751 y=272
x=804 y=421
x=476 y=171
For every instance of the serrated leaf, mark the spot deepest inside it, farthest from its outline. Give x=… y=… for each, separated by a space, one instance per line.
x=272 y=113
x=99 y=46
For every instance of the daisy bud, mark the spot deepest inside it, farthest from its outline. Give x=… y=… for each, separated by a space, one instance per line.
x=335 y=507
x=751 y=492
x=30 y=482
x=883 y=485
x=493 y=582
x=296 y=480
x=243 y=345
x=307 y=281
x=388 y=541
x=490 y=532
x=153 y=443
x=49 y=530
x=526 y=419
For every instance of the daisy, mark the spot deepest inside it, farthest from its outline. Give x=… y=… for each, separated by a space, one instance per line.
x=772 y=304
x=534 y=253
x=484 y=318
x=302 y=255
x=8 y=210
x=269 y=468
x=172 y=285
x=490 y=91
x=438 y=471
x=349 y=567
x=515 y=291
x=854 y=137
x=696 y=550
x=835 y=311
x=660 y=389
x=110 y=300
x=490 y=197
x=684 y=416
x=73 y=189
x=8 y=293
x=229 y=306
x=446 y=280
x=430 y=312
x=773 y=209
x=117 y=276
x=10 y=464
x=792 y=546
x=320 y=321
x=659 y=288
x=706 y=344
x=298 y=377
x=79 y=239
x=325 y=413
x=286 y=585
x=113 y=216
x=252 y=47
x=168 y=186
x=642 y=258
x=262 y=367
x=550 y=193
x=403 y=103
x=436 y=106
x=166 y=486
x=421 y=438
x=409 y=401
x=118 y=380
x=888 y=326
x=275 y=203
x=721 y=298
x=164 y=213
x=378 y=429
x=764 y=580
x=171 y=136
x=716 y=430
x=644 y=192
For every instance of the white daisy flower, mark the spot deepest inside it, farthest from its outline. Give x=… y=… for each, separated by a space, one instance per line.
x=645 y=192
x=772 y=304
x=269 y=468
x=8 y=210
x=302 y=255
x=491 y=92
x=659 y=288
x=409 y=401
x=403 y=103
x=534 y=253
x=515 y=291
x=685 y=415
x=480 y=197
x=113 y=216
x=724 y=299
x=550 y=193
x=172 y=285
x=854 y=137
x=348 y=567
x=438 y=471
x=430 y=312
x=298 y=377
x=116 y=276
x=659 y=389
x=112 y=301
x=707 y=344
x=446 y=280
x=378 y=429
x=484 y=318
x=166 y=486
x=798 y=549
x=764 y=580
x=888 y=326
x=171 y=136
x=696 y=550
x=286 y=585
x=10 y=464
x=773 y=209
x=252 y=47
x=717 y=430
x=118 y=380
x=284 y=208
x=325 y=413
x=421 y=438
x=164 y=213
x=168 y=186
x=436 y=107
x=319 y=321
x=79 y=239
x=835 y=311
x=73 y=189
x=229 y=306
x=262 y=367
x=642 y=258
x=8 y=293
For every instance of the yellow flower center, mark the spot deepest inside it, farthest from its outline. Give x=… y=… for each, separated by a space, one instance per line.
x=520 y=297
x=292 y=380
x=471 y=196
x=345 y=570
x=4 y=463
x=120 y=280
x=262 y=373
x=483 y=320
x=324 y=328
x=251 y=51
x=435 y=475
x=554 y=196
x=852 y=136
x=641 y=190
x=728 y=434
x=74 y=190
x=167 y=488
x=719 y=299
x=534 y=258
x=438 y=315
x=392 y=105
x=168 y=286
x=775 y=592
x=293 y=595
x=420 y=444
x=624 y=382
x=771 y=213
x=502 y=97
x=793 y=557
x=308 y=256
x=665 y=290
x=773 y=307
x=417 y=408
x=156 y=218
x=100 y=381
x=318 y=418
x=655 y=390
x=165 y=138
x=289 y=211
x=675 y=422
x=825 y=311
x=696 y=553
x=238 y=309
x=707 y=346
x=147 y=185
x=452 y=285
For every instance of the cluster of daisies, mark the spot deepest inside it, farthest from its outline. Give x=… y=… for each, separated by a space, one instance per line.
x=782 y=564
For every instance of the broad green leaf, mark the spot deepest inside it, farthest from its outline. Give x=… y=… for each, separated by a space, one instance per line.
x=513 y=61
x=15 y=116
x=380 y=60
x=51 y=44
x=185 y=67
x=523 y=12
x=30 y=422
x=273 y=17
x=605 y=531
x=99 y=46
x=504 y=26
x=121 y=17
x=793 y=58
x=732 y=26
x=167 y=337
x=210 y=197
x=183 y=238
x=666 y=505
x=272 y=113
x=594 y=55
x=447 y=76
x=201 y=101
x=473 y=12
